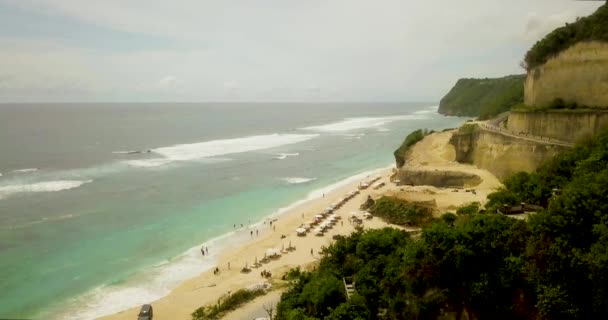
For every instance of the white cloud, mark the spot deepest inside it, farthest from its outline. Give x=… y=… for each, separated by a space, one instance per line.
x=279 y=49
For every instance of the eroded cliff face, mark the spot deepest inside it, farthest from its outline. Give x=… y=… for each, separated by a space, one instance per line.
x=501 y=155
x=578 y=74
x=566 y=126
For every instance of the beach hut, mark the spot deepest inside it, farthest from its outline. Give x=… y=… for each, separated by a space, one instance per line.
x=301 y=232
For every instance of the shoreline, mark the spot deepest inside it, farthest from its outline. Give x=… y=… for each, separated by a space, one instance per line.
x=98 y=302
x=206 y=287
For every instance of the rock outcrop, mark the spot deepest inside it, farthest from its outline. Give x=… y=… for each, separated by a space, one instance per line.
x=501 y=155
x=577 y=75
x=566 y=126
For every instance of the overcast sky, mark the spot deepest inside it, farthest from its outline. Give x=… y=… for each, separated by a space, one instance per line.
x=264 y=50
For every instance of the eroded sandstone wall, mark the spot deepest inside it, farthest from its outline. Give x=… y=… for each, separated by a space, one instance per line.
x=570 y=126
x=501 y=155
x=578 y=74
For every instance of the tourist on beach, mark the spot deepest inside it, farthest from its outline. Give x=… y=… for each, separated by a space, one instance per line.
x=203 y=250
x=251 y=233
x=257 y=233
x=207 y=249
x=228 y=265
x=311 y=251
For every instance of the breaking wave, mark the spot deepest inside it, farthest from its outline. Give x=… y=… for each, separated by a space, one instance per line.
x=283 y=156
x=47 y=186
x=350 y=124
x=214 y=148
x=297 y=180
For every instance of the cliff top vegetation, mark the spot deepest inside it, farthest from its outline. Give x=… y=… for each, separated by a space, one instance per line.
x=591 y=28
x=482 y=263
x=483 y=98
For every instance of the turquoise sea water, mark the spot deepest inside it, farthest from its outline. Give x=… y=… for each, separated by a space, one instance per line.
x=95 y=228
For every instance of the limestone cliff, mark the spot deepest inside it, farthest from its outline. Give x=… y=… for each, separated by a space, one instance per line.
x=561 y=125
x=577 y=75
x=500 y=154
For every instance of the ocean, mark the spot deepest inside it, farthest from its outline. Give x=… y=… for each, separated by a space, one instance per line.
x=105 y=206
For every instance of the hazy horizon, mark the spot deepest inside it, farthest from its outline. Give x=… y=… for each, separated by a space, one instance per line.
x=276 y=51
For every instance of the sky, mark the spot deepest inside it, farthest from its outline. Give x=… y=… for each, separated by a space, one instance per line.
x=264 y=50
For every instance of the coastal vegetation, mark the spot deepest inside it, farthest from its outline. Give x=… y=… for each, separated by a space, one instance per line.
x=483 y=98
x=479 y=262
x=226 y=304
x=411 y=139
x=591 y=28
x=400 y=212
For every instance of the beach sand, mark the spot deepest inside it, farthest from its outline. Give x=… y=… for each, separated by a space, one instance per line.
x=207 y=288
x=432 y=153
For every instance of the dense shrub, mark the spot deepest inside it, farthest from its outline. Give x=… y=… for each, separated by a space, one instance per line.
x=409 y=141
x=591 y=28
x=489 y=266
x=483 y=98
x=400 y=212
x=226 y=304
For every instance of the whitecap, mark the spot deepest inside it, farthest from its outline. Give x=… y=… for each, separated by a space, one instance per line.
x=383 y=130
x=350 y=124
x=208 y=149
x=148 y=163
x=283 y=156
x=297 y=180
x=47 y=186
x=28 y=170
x=125 y=152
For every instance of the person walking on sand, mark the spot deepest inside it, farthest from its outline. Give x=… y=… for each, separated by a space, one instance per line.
x=311 y=251
x=251 y=233
x=228 y=265
x=257 y=233
x=207 y=249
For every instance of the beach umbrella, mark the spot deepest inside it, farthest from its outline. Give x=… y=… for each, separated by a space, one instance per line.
x=300 y=230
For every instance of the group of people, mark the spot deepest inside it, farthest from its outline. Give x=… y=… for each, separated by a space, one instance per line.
x=205 y=250
x=266 y=274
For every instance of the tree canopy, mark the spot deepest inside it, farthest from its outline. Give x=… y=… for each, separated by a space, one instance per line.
x=591 y=28
x=552 y=266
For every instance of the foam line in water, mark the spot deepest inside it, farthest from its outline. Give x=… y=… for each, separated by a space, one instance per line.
x=28 y=170
x=350 y=124
x=158 y=281
x=283 y=156
x=297 y=180
x=152 y=283
x=214 y=148
x=47 y=186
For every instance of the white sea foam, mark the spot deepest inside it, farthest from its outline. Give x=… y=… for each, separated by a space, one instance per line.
x=350 y=124
x=26 y=170
x=159 y=280
x=383 y=130
x=283 y=156
x=125 y=152
x=152 y=283
x=47 y=186
x=215 y=148
x=297 y=180
x=148 y=163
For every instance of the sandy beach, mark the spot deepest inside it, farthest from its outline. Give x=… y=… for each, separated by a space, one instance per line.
x=433 y=153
